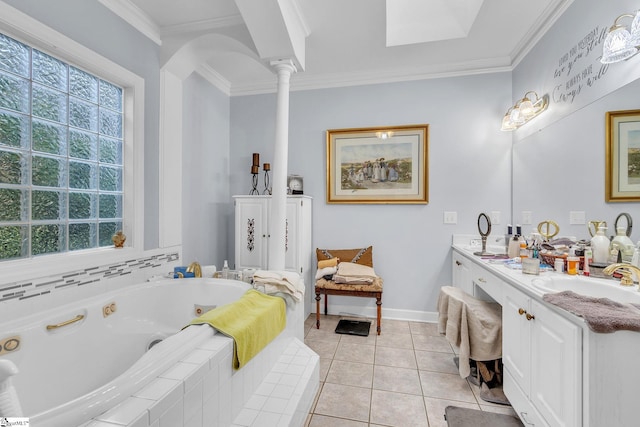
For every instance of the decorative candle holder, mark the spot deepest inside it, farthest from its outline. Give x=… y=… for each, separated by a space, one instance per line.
x=254 y=179
x=267 y=188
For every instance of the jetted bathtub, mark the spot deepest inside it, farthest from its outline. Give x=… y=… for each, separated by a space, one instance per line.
x=76 y=361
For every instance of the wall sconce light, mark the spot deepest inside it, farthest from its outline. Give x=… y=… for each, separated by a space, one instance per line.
x=524 y=110
x=621 y=43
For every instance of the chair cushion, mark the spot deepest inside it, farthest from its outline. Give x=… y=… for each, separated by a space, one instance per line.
x=362 y=256
x=376 y=286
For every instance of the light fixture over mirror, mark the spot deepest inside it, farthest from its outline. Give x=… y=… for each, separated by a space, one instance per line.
x=524 y=110
x=622 y=42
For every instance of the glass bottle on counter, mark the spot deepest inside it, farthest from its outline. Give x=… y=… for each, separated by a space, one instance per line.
x=225 y=270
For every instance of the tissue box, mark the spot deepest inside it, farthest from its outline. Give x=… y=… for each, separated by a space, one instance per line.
x=531 y=266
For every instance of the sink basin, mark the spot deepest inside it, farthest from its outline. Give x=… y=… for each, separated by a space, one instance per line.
x=589 y=286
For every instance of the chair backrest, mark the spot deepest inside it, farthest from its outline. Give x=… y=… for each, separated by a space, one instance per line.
x=362 y=256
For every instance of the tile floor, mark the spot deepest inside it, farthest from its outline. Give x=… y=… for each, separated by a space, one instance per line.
x=404 y=377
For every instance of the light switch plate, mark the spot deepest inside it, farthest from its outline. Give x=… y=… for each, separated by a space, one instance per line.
x=526 y=218
x=577 y=217
x=495 y=217
x=450 y=217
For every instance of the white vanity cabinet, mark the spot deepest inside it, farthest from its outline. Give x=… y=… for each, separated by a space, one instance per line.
x=542 y=357
x=252 y=217
x=557 y=371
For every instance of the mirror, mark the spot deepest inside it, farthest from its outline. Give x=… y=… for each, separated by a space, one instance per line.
x=484 y=228
x=560 y=170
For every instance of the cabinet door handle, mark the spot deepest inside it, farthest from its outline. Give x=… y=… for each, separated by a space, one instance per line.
x=523 y=415
x=481 y=280
x=458 y=263
x=530 y=316
x=521 y=311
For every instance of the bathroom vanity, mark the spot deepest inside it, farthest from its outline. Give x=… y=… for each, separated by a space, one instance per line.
x=557 y=372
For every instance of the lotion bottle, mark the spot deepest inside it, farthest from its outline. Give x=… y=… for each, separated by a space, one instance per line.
x=600 y=246
x=514 y=247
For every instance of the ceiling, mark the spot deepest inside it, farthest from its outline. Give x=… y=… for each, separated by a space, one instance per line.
x=348 y=42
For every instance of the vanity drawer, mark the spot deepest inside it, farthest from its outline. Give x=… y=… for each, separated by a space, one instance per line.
x=486 y=286
x=521 y=403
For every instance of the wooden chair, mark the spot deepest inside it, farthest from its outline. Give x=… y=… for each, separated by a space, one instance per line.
x=329 y=287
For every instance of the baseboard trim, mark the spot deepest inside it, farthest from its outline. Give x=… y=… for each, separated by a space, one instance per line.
x=387 y=313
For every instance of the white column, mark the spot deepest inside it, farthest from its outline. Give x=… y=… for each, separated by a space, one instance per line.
x=277 y=225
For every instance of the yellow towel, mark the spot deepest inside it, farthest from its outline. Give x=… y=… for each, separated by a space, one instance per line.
x=252 y=321
x=332 y=262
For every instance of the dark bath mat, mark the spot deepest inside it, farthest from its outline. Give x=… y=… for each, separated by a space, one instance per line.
x=353 y=327
x=463 y=417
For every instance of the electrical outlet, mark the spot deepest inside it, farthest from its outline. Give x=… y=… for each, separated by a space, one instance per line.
x=526 y=218
x=451 y=217
x=495 y=217
x=577 y=217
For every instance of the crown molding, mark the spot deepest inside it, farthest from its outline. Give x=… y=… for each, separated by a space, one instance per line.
x=213 y=77
x=302 y=81
x=135 y=17
x=546 y=21
x=203 y=25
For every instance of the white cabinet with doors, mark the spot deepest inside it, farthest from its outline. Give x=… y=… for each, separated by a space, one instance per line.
x=557 y=371
x=542 y=357
x=252 y=234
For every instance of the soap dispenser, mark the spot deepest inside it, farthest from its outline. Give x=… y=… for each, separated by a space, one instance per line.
x=623 y=244
x=600 y=246
x=514 y=247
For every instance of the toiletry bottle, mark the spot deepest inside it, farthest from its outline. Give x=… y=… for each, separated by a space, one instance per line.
x=623 y=244
x=572 y=262
x=507 y=238
x=524 y=252
x=600 y=246
x=587 y=260
x=225 y=270
x=635 y=260
x=514 y=247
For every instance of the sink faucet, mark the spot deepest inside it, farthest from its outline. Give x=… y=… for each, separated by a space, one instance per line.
x=625 y=270
x=195 y=268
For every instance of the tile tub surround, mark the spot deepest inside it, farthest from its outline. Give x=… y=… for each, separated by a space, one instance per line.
x=404 y=377
x=276 y=388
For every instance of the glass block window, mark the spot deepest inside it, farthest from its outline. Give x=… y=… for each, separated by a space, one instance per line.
x=61 y=155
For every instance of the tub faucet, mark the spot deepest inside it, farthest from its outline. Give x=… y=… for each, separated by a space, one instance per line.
x=195 y=268
x=626 y=270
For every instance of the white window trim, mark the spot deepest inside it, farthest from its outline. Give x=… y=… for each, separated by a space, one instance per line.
x=21 y=26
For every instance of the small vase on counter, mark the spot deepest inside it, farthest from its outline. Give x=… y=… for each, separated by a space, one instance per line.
x=600 y=246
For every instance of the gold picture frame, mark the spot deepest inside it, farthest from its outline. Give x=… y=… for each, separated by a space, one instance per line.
x=379 y=165
x=622 y=167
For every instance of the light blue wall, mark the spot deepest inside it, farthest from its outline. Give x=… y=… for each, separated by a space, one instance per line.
x=469 y=171
x=558 y=162
x=205 y=162
x=94 y=26
x=559 y=158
